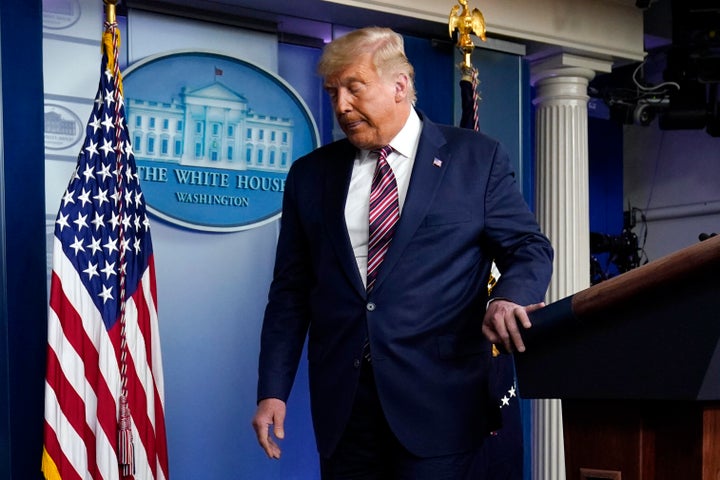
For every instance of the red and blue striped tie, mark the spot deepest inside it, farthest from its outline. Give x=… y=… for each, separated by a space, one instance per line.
x=384 y=213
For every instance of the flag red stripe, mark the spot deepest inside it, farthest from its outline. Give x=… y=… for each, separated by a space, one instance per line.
x=87 y=350
x=143 y=321
x=73 y=407
x=160 y=429
x=65 y=468
x=155 y=436
x=138 y=411
x=144 y=398
x=160 y=435
x=153 y=283
x=137 y=399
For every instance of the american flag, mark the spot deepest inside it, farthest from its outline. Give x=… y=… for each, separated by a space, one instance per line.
x=104 y=394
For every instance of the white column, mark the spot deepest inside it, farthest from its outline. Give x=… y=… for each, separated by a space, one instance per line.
x=561 y=155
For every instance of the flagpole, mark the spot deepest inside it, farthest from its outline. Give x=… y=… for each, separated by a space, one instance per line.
x=110 y=15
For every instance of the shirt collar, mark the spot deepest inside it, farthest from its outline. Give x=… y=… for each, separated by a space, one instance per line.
x=405 y=141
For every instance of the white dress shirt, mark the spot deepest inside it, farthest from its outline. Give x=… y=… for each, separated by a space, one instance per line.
x=357 y=204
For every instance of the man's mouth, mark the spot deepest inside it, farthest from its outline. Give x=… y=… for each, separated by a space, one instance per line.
x=352 y=125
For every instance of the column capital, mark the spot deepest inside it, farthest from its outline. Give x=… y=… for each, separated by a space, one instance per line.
x=565 y=64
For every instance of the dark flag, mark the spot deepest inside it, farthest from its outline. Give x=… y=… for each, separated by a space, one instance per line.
x=502 y=457
x=104 y=393
x=469 y=100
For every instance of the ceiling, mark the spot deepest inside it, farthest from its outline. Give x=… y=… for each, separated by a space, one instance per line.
x=311 y=19
x=288 y=16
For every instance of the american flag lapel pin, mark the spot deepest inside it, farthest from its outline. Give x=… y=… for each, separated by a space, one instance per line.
x=437 y=162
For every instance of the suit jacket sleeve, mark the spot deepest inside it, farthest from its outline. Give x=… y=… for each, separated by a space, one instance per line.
x=287 y=313
x=521 y=252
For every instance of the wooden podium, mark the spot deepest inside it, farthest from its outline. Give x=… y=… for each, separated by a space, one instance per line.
x=636 y=362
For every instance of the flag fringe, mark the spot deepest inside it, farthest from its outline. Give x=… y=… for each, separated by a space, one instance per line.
x=48 y=467
x=109 y=43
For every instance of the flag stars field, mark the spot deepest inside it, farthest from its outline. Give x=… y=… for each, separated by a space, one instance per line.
x=94 y=184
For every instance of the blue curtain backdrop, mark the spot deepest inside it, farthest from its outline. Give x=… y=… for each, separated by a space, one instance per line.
x=434 y=77
x=605 y=168
x=23 y=298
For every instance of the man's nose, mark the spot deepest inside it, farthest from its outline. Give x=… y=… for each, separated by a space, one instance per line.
x=342 y=103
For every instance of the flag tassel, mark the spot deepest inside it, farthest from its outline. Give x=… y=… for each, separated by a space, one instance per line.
x=48 y=467
x=126 y=450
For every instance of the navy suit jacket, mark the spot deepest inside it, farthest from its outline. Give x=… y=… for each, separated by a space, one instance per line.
x=424 y=315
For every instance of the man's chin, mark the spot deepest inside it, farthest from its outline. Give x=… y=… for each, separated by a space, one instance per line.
x=360 y=141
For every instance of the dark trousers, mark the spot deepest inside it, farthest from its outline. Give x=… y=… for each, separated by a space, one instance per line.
x=368 y=450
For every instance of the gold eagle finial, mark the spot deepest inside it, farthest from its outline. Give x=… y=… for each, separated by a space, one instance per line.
x=466 y=22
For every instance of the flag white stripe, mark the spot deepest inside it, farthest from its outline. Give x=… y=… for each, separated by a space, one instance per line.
x=142 y=464
x=73 y=369
x=70 y=442
x=136 y=350
x=155 y=333
x=92 y=322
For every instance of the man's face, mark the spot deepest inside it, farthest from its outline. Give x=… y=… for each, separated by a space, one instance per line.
x=370 y=110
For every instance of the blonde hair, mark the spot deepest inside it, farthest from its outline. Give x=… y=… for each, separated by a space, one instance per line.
x=385 y=46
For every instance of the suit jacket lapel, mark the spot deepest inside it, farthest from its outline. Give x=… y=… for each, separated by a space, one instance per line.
x=426 y=176
x=337 y=181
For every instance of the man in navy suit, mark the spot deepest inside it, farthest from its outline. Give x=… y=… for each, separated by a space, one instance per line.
x=399 y=371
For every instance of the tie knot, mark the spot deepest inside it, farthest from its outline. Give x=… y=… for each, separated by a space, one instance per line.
x=383 y=152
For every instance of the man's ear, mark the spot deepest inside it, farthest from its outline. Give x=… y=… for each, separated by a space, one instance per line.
x=401 y=87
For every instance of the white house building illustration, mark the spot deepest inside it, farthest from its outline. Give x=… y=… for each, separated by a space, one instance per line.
x=212 y=126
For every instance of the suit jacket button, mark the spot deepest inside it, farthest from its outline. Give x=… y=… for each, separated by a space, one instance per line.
x=370 y=306
x=356 y=363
